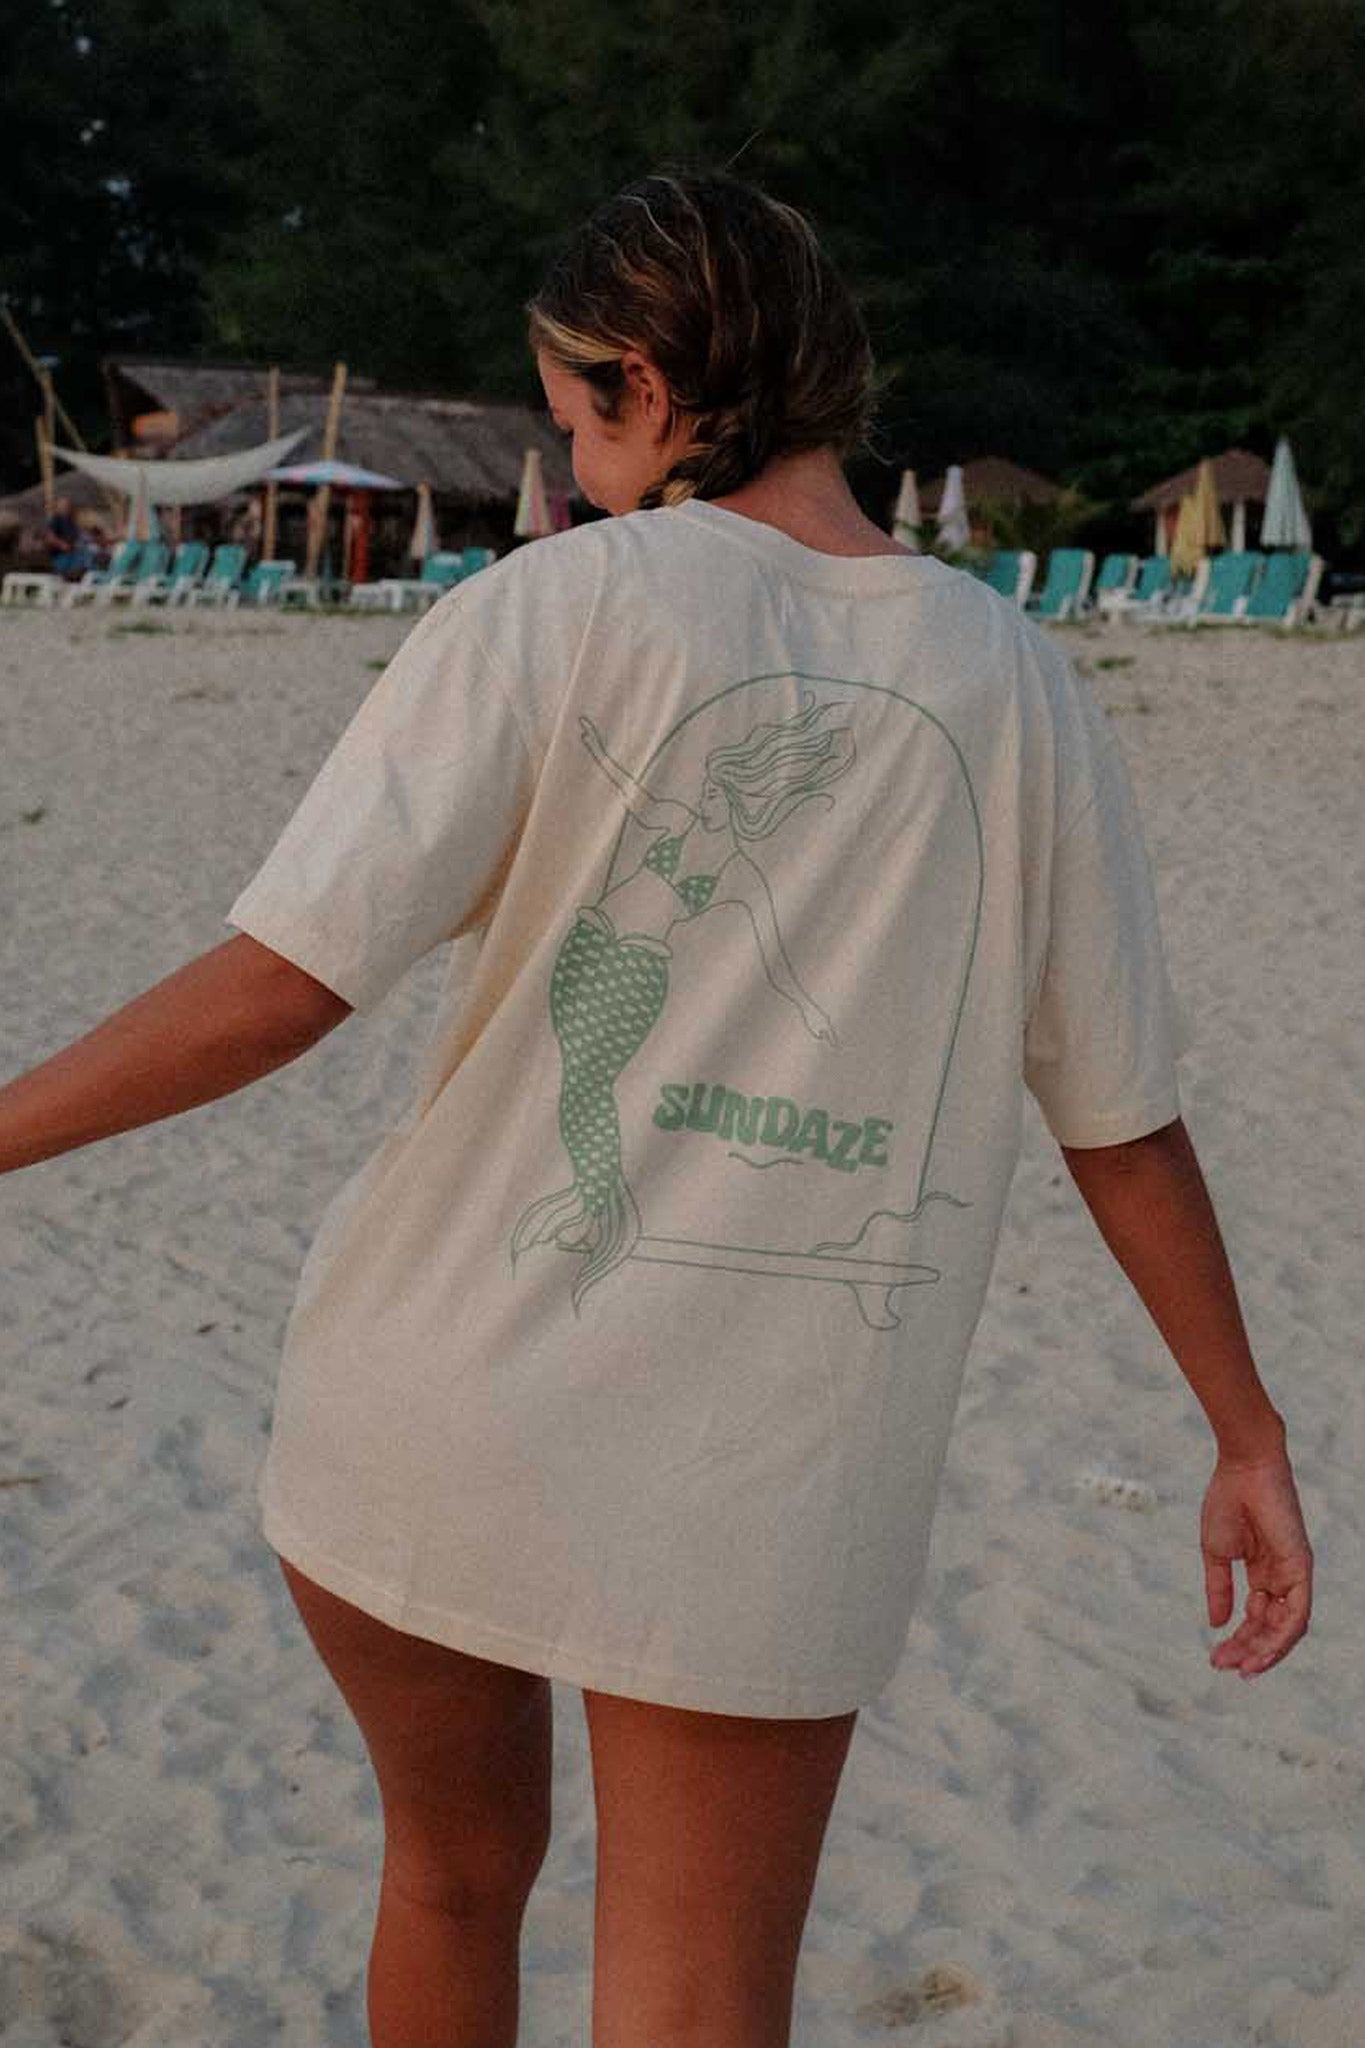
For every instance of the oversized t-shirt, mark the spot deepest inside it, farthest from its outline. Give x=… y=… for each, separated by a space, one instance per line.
x=630 y=1357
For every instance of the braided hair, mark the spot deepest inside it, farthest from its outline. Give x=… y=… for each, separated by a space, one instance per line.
x=728 y=291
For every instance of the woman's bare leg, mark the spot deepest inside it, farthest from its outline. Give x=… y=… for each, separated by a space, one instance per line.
x=709 y=1831
x=462 y=1750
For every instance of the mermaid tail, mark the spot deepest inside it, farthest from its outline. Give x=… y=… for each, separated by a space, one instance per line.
x=606 y=995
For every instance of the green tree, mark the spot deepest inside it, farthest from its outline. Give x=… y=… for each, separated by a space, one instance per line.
x=126 y=136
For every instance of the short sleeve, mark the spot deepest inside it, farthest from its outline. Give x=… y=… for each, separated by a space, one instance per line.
x=402 y=839
x=1103 y=1036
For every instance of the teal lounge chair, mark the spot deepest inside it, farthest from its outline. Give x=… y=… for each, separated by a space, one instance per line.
x=187 y=566
x=1113 y=585
x=225 y=573
x=1286 y=591
x=1152 y=591
x=1069 y=573
x=1011 y=571
x=123 y=562
x=1232 y=577
x=262 y=584
x=440 y=572
x=151 y=568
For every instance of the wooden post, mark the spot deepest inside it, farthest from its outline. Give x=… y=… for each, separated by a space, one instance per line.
x=45 y=381
x=45 y=464
x=317 y=531
x=272 y=491
x=49 y=436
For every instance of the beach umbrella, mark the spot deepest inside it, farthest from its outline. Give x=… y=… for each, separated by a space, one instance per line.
x=905 y=522
x=1286 y=523
x=533 y=521
x=423 y=542
x=1208 y=512
x=1187 y=551
x=341 y=475
x=954 y=528
x=142 y=519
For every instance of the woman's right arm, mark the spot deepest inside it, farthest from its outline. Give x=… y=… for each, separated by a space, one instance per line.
x=219 y=1022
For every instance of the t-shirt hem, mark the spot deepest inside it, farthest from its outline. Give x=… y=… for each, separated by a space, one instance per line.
x=571 y=1666
x=1120 y=1127
x=303 y=948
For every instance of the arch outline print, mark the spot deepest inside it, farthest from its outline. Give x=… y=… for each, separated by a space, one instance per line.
x=705 y=834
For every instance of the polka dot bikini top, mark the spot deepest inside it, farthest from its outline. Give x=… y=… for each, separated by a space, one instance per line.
x=663 y=857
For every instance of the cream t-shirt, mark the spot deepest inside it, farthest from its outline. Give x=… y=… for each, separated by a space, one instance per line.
x=630 y=1357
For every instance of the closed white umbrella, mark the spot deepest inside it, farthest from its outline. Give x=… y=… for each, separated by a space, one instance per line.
x=905 y=523
x=142 y=519
x=423 y=542
x=954 y=527
x=533 y=520
x=1286 y=523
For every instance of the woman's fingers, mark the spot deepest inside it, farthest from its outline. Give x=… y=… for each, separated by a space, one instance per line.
x=1218 y=1590
x=1274 y=1622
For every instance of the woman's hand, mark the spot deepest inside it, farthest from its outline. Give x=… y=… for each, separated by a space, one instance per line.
x=592 y=738
x=1252 y=1512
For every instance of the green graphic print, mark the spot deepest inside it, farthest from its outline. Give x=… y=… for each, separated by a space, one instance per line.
x=609 y=986
x=608 y=989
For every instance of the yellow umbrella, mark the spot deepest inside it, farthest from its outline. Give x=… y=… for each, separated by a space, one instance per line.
x=1186 y=550
x=1210 y=519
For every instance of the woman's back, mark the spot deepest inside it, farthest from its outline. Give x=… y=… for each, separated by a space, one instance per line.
x=706 y=1178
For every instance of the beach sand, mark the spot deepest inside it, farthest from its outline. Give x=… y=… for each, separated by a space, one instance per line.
x=1058 y=1828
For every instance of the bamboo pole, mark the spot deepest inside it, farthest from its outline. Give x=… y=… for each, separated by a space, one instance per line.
x=48 y=389
x=317 y=530
x=49 y=436
x=272 y=491
x=45 y=463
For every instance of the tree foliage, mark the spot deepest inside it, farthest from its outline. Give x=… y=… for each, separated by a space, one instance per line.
x=1104 y=241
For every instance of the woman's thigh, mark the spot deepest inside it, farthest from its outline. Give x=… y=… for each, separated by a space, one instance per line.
x=709 y=1832
x=462 y=1749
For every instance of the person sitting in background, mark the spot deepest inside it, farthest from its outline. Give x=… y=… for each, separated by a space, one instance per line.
x=69 y=549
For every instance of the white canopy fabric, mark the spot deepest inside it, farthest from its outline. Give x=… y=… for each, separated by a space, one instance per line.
x=184 y=483
x=1285 y=523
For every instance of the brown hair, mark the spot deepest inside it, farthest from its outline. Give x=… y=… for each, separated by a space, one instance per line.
x=728 y=291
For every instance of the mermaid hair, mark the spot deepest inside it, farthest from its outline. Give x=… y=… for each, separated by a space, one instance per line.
x=728 y=291
x=780 y=767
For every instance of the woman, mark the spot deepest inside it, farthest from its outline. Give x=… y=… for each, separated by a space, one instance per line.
x=706 y=1499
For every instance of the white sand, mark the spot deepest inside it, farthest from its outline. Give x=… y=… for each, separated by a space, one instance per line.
x=1057 y=1813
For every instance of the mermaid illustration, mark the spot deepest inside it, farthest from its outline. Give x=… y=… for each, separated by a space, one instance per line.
x=609 y=982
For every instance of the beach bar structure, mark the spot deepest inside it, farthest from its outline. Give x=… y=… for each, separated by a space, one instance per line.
x=1239 y=478
x=471 y=454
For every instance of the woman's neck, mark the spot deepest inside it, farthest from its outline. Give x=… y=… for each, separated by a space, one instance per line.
x=807 y=497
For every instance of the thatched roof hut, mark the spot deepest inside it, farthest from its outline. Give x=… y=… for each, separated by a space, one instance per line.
x=471 y=454
x=1238 y=476
x=995 y=480
x=189 y=395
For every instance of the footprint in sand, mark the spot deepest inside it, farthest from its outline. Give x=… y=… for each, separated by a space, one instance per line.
x=947 y=2009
